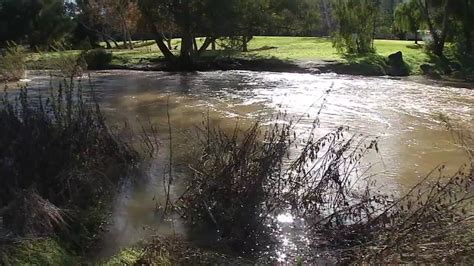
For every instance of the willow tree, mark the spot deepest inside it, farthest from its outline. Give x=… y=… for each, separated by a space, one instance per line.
x=437 y=14
x=408 y=18
x=188 y=19
x=355 y=25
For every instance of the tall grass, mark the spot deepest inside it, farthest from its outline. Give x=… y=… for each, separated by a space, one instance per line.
x=12 y=63
x=59 y=161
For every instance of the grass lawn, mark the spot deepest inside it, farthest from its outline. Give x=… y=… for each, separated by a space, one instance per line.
x=283 y=48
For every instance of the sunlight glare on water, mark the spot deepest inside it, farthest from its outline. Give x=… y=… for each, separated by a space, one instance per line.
x=402 y=113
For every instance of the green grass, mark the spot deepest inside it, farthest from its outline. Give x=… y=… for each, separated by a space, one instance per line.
x=293 y=48
x=128 y=256
x=314 y=48
x=283 y=48
x=37 y=252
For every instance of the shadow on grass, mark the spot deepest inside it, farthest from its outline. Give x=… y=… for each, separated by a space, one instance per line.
x=264 y=48
x=364 y=64
x=321 y=40
x=415 y=46
x=236 y=60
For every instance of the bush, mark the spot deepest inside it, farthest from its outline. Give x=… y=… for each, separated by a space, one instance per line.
x=355 y=18
x=234 y=43
x=12 y=63
x=243 y=180
x=97 y=59
x=227 y=189
x=70 y=64
x=37 y=252
x=57 y=154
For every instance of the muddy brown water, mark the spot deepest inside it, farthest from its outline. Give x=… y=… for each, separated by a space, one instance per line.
x=403 y=113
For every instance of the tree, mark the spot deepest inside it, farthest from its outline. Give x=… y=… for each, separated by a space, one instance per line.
x=122 y=16
x=189 y=19
x=105 y=18
x=437 y=14
x=408 y=18
x=38 y=22
x=468 y=24
x=463 y=26
x=50 y=25
x=294 y=17
x=356 y=25
x=16 y=19
x=326 y=11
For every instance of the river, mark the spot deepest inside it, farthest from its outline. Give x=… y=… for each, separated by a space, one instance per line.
x=403 y=113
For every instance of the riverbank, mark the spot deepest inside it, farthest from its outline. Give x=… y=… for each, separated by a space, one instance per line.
x=274 y=54
x=61 y=165
x=227 y=63
x=247 y=94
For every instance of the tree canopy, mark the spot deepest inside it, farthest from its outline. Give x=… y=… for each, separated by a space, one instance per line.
x=353 y=24
x=38 y=22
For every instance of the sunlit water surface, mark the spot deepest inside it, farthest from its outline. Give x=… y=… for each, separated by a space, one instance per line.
x=403 y=114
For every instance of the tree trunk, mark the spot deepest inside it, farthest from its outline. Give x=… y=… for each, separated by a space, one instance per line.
x=107 y=43
x=195 y=45
x=186 y=50
x=467 y=27
x=208 y=41
x=187 y=39
x=130 y=42
x=127 y=39
x=245 y=40
x=438 y=39
x=444 y=31
x=169 y=56
x=159 y=39
x=115 y=43
x=327 y=14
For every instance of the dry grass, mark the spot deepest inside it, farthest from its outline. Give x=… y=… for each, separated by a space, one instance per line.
x=59 y=163
x=244 y=179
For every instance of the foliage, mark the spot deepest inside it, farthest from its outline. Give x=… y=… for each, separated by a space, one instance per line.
x=105 y=18
x=56 y=154
x=12 y=63
x=40 y=23
x=434 y=217
x=355 y=32
x=228 y=184
x=68 y=64
x=224 y=19
x=128 y=256
x=97 y=59
x=36 y=252
x=408 y=18
x=440 y=18
x=50 y=26
x=177 y=251
x=16 y=18
x=244 y=179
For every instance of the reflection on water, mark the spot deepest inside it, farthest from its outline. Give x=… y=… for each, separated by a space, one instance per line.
x=404 y=114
